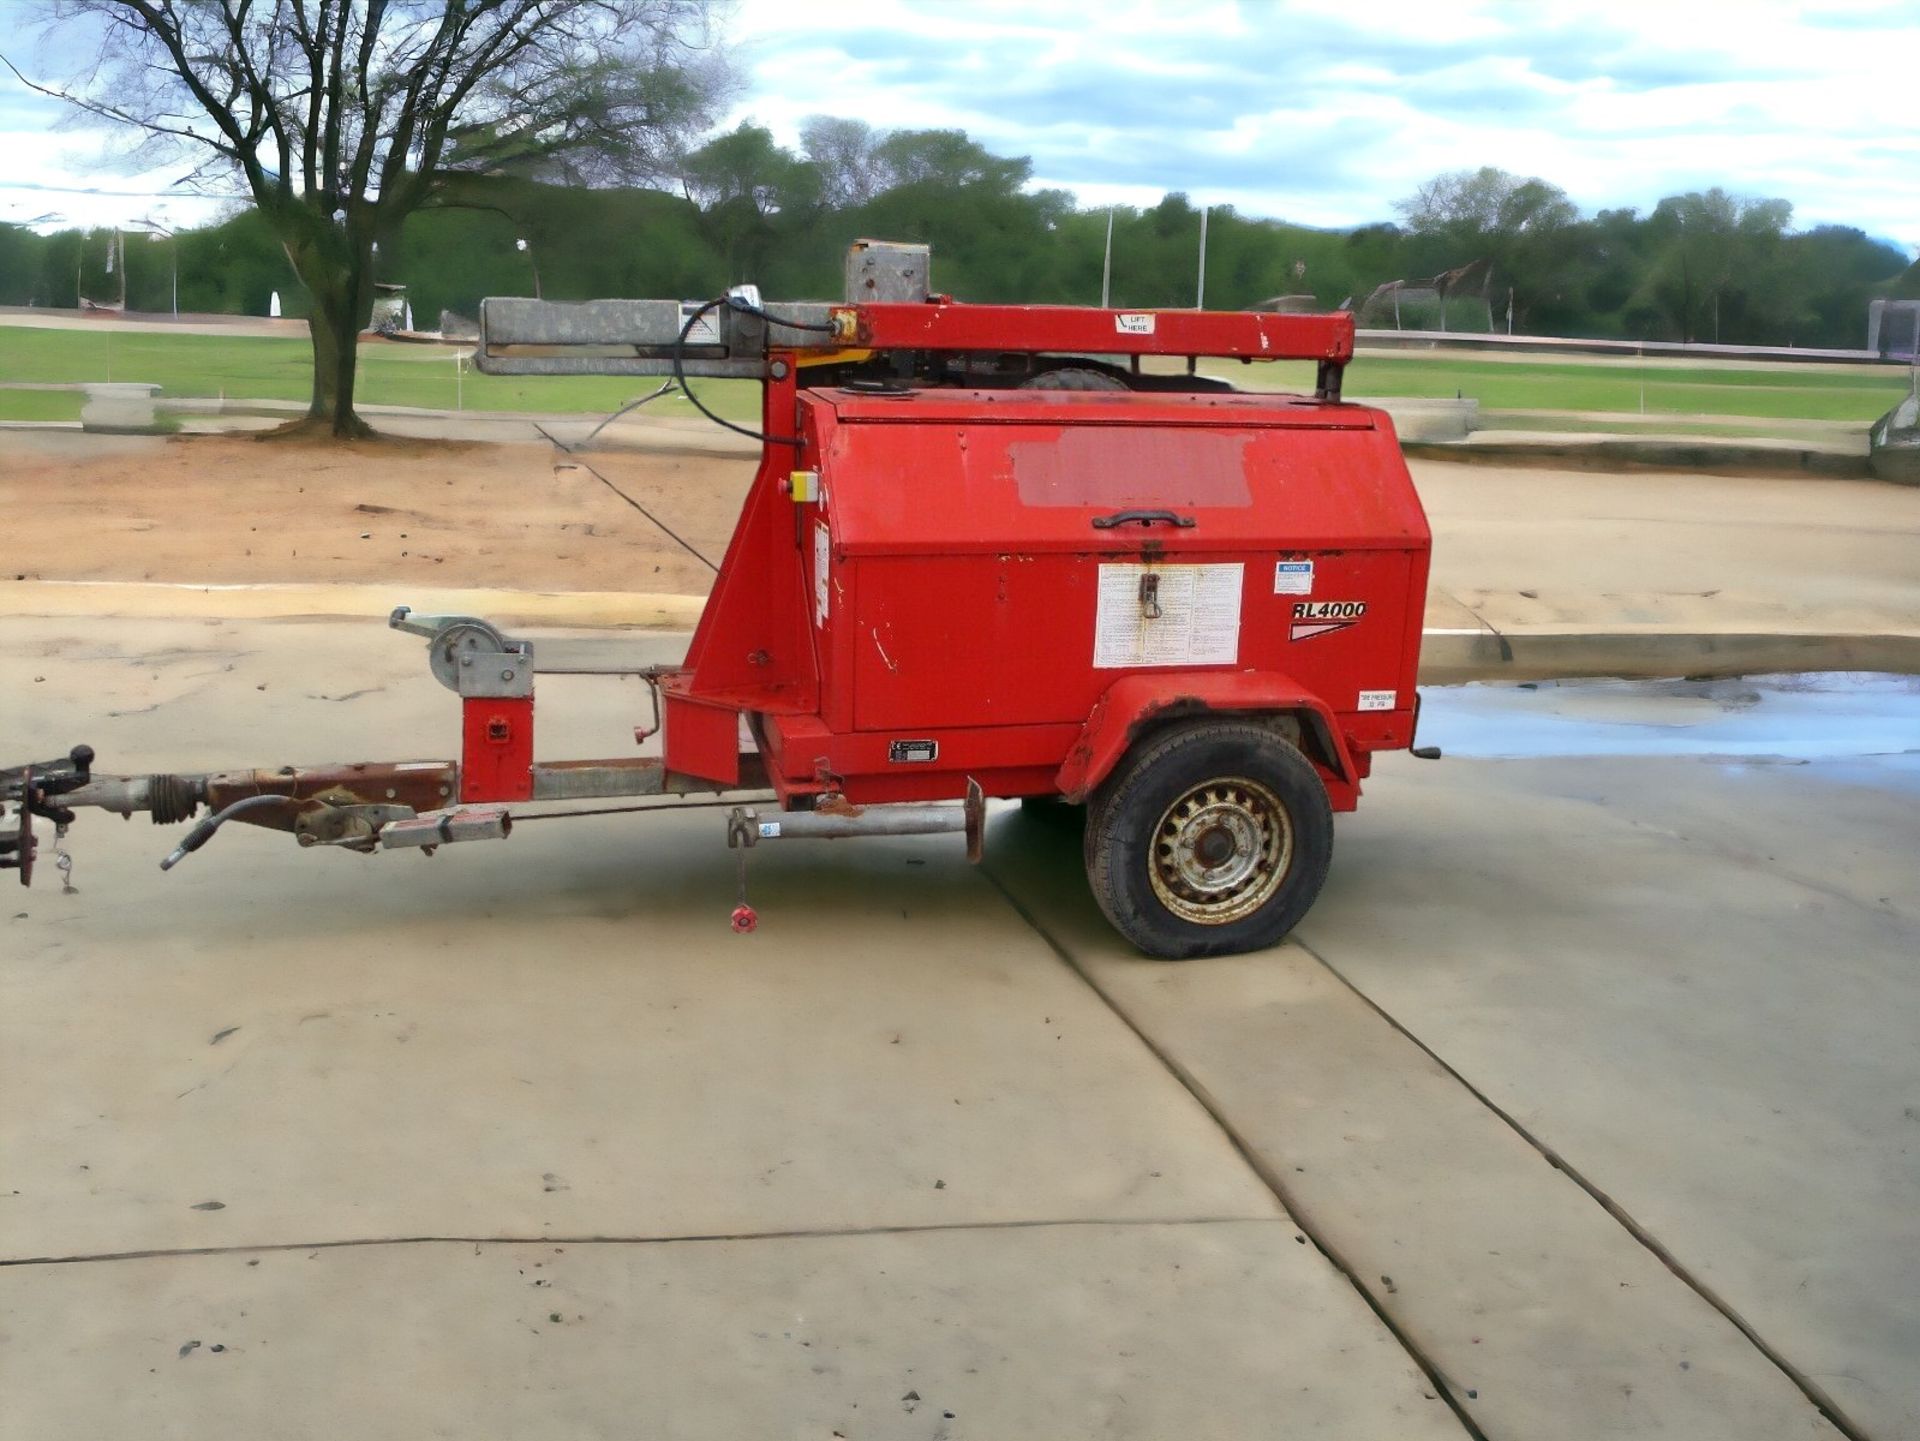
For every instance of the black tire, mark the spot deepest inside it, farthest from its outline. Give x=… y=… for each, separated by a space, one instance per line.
x=1074 y=377
x=1208 y=840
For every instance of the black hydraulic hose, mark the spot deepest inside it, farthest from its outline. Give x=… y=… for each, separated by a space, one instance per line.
x=202 y=833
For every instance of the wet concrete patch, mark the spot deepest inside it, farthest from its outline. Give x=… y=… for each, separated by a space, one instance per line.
x=1791 y=717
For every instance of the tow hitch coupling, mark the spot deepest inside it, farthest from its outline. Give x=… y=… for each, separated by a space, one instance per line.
x=32 y=790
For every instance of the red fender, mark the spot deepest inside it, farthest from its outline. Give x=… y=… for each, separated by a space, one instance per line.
x=1133 y=701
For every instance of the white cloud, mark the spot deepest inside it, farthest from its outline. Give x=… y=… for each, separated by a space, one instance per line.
x=1290 y=107
x=1619 y=101
x=74 y=178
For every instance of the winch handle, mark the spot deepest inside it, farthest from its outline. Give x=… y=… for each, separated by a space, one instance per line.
x=1142 y=517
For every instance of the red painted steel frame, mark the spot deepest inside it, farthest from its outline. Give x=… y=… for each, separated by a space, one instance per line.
x=753 y=651
x=1038 y=329
x=496 y=749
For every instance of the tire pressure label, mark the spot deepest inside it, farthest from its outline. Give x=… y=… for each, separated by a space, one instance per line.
x=1323 y=617
x=913 y=752
x=1378 y=699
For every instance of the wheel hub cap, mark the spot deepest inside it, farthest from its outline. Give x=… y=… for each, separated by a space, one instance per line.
x=1220 y=851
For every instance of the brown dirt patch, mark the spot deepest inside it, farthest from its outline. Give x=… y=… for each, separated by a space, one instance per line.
x=229 y=509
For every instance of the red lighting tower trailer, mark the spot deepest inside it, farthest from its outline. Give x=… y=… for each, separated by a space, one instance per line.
x=987 y=553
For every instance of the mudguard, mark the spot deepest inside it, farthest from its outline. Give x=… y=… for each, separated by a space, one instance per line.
x=1132 y=704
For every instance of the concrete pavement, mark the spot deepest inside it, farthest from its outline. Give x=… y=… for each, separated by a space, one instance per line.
x=1146 y=1331
x=969 y=1180
x=1578 y=1107
x=1694 y=980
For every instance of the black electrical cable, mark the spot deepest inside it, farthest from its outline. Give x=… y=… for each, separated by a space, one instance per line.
x=661 y=525
x=733 y=302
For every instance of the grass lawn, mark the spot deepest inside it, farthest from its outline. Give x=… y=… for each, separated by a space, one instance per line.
x=270 y=368
x=1775 y=392
x=41 y=404
x=1732 y=428
x=248 y=367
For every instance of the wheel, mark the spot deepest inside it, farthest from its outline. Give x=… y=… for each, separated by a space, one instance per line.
x=1073 y=377
x=1209 y=840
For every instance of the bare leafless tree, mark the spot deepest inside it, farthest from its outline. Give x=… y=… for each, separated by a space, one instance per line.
x=343 y=117
x=843 y=152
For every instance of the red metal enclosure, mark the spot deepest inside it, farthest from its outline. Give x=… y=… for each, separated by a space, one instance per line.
x=1006 y=584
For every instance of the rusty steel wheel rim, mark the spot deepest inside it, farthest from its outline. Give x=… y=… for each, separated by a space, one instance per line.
x=1220 y=851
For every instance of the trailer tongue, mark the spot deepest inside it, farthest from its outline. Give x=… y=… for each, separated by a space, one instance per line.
x=988 y=551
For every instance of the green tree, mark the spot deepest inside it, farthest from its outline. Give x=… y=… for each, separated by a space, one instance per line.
x=947 y=159
x=1830 y=273
x=749 y=191
x=1520 y=226
x=1709 y=246
x=21 y=252
x=994 y=240
x=343 y=117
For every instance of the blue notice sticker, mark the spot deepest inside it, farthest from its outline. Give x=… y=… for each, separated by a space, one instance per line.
x=1293 y=577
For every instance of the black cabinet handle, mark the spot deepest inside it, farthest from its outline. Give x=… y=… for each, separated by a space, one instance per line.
x=1142 y=517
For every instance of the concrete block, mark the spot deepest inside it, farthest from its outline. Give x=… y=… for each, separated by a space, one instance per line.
x=119 y=408
x=1894 y=443
x=1429 y=419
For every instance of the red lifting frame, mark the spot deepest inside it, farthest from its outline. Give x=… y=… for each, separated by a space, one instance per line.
x=1244 y=335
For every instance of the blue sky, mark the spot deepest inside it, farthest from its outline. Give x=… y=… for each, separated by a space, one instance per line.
x=1316 y=113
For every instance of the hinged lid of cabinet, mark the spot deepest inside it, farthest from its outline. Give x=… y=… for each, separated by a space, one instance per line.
x=943 y=472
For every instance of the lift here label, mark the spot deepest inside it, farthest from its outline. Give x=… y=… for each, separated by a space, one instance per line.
x=1323 y=617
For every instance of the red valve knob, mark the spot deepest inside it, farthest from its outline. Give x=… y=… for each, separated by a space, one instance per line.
x=744 y=919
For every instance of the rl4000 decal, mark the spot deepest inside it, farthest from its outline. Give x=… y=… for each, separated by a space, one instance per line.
x=1323 y=617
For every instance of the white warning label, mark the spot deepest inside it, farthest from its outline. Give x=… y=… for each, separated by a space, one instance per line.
x=706 y=330
x=1167 y=615
x=1293 y=577
x=822 y=557
x=1134 y=323
x=1378 y=699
